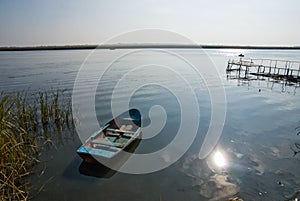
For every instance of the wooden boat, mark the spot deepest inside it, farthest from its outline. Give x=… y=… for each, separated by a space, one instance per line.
x=111 y=139
x=96 y=169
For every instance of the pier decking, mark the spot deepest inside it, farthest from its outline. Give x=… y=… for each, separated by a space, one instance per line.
x=277 y=69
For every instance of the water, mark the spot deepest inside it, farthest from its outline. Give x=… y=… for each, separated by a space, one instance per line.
x=259 y=130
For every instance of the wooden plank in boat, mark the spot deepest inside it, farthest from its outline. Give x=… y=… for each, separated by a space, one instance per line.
x=119 y=131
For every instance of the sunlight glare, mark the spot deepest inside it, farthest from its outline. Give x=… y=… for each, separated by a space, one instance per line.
x=219 y=159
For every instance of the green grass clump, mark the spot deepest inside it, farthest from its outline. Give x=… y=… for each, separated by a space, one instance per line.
x=24 y=127
x=17 y=151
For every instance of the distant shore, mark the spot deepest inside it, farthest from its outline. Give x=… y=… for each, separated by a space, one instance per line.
x=144 y=46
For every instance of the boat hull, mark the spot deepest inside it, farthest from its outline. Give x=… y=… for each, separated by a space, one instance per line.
x=104 y=145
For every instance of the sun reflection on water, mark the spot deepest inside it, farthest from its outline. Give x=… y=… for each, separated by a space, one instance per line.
x=219 y=159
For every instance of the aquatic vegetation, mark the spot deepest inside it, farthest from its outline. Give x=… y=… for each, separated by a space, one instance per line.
x=26 y=125
x=296 y=147
x=18 y=148
x=295 y=196
x=55 y=113
x=298 y=130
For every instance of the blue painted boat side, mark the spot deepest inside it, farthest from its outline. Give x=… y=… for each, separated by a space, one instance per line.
x=96 y=152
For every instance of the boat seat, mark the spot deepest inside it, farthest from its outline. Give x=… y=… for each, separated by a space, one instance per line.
x=126 y=127
x=125 y=135
x=119 y=131
x=109 y=133
x=107 y=143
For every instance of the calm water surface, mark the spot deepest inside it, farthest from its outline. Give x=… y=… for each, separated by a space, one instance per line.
x=259 y=131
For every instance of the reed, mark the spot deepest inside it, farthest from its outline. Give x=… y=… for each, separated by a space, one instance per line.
x=25 y=125
x=18 y=149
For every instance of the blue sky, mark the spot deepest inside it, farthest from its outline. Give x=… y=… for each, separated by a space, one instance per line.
x=59 y=22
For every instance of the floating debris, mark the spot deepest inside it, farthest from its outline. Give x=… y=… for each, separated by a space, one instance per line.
x=235 y=199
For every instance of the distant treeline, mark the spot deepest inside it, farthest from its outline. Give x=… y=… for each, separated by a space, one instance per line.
x=144 y=46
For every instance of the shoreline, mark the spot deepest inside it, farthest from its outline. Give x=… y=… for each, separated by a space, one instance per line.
x=143 y=46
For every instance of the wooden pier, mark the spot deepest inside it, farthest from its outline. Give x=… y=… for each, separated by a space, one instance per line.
x=276 y=69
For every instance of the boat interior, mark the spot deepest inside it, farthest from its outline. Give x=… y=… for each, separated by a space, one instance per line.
x=115 y=135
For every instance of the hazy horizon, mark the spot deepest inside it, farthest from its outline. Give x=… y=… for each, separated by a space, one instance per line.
x=232 y=22
x=146 y=45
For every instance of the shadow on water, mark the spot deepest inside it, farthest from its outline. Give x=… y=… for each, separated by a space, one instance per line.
x=96 y=169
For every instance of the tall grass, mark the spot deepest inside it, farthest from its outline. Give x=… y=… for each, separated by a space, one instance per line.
x=25 y=125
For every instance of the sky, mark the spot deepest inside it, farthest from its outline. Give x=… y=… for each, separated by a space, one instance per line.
x=228 y=22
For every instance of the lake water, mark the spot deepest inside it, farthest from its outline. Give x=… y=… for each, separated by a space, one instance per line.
x=255 y=144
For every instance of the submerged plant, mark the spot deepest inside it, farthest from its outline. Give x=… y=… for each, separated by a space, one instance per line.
x=296 y=148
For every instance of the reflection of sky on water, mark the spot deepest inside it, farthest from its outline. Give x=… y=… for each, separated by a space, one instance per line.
x=253 y=170
x=253 y=153
x=233 y=52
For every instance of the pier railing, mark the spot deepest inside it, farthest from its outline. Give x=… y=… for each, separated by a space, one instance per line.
x=281 y=69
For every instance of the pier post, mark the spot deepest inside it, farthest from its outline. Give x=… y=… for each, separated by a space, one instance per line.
x=228 y=65
x=274 y=68
x=285 y=68
x=241 y=62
